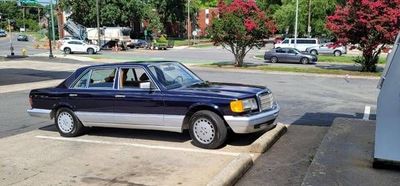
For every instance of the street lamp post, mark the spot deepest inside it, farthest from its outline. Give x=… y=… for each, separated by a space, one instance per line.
x=52 y=20
x=11 y=43
x=295 y=24
x=48 y=35
x=188 y=22
x=98 y=23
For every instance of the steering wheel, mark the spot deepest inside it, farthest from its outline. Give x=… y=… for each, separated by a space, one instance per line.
x=179 y=79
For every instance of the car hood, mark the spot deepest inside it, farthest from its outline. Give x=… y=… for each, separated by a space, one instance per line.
x=227 y=90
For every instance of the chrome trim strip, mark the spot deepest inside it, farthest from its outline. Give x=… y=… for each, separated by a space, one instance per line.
x=126 y=120
x=42 y=113
x=128 y=126
x=245 y=124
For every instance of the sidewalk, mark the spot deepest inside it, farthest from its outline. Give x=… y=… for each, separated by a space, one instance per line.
x=345 y=157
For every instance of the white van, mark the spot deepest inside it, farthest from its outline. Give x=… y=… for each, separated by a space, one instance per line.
x=302 y=43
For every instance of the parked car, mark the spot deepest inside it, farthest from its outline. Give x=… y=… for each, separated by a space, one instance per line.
x=138 y=43
x=156 y=96
x=302 y=43
x=3 y=33
x=289 y=55
x=78 y=46
x=327 y=48
x=22 y=37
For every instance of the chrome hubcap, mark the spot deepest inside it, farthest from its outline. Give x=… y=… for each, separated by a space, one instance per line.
x=65 y=122
x=204 y=130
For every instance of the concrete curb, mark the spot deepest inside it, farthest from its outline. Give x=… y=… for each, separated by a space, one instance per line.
x=239 y=166
x=233 y=171
x=264 y=142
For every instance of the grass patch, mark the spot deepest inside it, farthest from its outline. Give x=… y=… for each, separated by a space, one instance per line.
x=311 y=70
x=184 y=42
x=337 y=59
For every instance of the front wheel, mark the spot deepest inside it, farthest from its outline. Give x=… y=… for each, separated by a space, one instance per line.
x=207 y=129
x=90 y=51
x=337 y=53
x=304 y=60
x=67 y=123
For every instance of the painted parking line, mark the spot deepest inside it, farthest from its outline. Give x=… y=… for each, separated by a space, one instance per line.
x=141 y=145
x=367 y=112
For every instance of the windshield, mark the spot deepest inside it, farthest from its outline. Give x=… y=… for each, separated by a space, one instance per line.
x=173 y=75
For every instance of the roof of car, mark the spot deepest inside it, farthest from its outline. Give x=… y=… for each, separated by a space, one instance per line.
x=140 y=63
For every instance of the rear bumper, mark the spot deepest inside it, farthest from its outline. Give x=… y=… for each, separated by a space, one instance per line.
x=41 y=113
x=253 y=123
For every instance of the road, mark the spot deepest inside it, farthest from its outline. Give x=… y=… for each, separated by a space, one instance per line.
x=18 y=46
x=305 y=100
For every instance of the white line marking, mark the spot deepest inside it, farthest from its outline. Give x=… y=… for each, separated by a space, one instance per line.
x=142 y=145
x=367 y=112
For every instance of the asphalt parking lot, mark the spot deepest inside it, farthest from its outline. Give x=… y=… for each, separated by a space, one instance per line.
x=37 y=154
x=112 y=156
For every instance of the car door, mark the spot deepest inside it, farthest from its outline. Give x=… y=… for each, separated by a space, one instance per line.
x=92 y=96
x=324 y=49
x=292 y=56
x=135 y=104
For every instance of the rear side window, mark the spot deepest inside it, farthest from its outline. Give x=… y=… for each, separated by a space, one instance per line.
x=102 y=78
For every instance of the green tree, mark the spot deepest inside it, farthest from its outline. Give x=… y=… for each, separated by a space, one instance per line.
x=240 y=27
x=320 y=9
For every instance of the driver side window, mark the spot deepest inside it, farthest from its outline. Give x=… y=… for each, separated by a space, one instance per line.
x=131 y=77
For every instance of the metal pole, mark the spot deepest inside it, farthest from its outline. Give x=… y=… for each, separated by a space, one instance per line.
x=11 y=43
x=23 y=15
x=52 y=20
x=295 y=24
x=188 y=22
x=98 y=23
x=48 y=34
x=309 y=19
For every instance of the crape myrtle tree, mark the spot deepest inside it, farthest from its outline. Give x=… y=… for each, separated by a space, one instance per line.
x=367 y=25
x=240 y=27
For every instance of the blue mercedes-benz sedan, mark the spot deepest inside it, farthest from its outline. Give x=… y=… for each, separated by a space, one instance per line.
x=157 y=96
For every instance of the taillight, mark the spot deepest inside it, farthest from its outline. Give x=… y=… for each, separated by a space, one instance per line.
x=30 y=101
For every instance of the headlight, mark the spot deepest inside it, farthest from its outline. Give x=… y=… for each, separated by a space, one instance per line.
x=244 y=105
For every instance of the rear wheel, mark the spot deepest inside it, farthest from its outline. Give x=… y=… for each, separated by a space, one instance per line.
x=67 y=50
x=304 y=60
x=90 y=51
x=315 y=52
x=207 y=129
x=337 y=53
x=67 y=123
x=274 y=59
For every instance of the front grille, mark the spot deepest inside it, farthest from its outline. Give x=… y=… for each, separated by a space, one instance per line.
x=265 y=100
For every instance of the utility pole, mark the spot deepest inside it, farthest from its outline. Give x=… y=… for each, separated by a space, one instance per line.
x=295 y=24
x=11 y=43
x=23 y=17
x=309 y=19
x=98 y=23
x=52 y=20
x=188 y=22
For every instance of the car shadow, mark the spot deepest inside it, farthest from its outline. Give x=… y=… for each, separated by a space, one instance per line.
x=322 y=118
x=153 y=135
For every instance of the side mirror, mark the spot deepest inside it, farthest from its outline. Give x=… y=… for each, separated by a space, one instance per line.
x=145 y=85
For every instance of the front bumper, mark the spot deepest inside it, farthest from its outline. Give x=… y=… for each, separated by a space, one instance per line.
x=253 y=123
x=41 y=113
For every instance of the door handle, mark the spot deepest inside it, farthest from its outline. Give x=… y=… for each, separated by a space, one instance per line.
x=73 y=95
x=119 y=96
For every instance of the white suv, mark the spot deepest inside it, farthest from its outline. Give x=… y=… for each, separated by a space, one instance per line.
x=302 y=43
x=79 y=46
